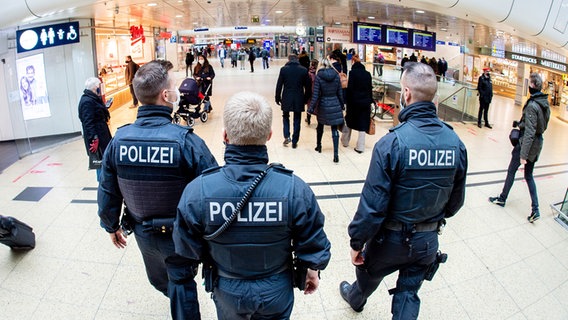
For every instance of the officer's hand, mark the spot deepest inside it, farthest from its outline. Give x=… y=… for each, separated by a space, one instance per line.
x=312 y=281
x=118 y=239
x=357 y=258
x=94 y=145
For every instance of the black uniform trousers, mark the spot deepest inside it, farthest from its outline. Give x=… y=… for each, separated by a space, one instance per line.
x=389 y=252
x=268 y=298
x=483 y=110
x=168 y=272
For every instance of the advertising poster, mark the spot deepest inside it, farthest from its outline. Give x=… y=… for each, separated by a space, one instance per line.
x=337 y=35
x=33 y=87
x=468 y=68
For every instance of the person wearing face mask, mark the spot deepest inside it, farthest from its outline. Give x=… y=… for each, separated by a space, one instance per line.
x=146 y=166
x=532 y=125
x=204 y=75
x=94 y=118
x=485 y=93
x=416 y=179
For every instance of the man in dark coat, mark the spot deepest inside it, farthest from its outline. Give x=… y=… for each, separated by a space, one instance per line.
x=94 y=117
x=129 y=72
x=188 y=62
x=293 y=90
x=485 y=92
x=358 y=99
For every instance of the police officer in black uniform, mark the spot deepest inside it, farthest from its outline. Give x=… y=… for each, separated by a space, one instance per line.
x=253 y=256
x=147 y=165
x=416 y=179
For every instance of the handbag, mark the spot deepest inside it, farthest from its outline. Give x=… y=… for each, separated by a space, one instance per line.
x=95 y=159
x=514 y=136
x=371 y=130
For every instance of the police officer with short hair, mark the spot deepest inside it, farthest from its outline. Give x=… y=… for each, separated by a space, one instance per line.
x=416 y=179
x=147 y=165
x=253 y=255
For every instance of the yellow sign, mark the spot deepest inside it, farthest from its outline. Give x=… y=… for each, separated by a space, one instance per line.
x=251 y=41
x=255 y=19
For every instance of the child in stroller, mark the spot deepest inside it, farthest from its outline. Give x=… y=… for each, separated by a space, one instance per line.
x=190 y=103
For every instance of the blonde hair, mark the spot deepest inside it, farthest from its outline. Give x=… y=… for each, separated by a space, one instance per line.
x=248 y=119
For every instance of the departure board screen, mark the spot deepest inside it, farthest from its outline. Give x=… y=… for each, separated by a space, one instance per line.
x=397 y=36
x=367 y=33
x=424 y=40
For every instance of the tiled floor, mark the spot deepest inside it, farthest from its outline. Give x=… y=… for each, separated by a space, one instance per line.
x=499 y=267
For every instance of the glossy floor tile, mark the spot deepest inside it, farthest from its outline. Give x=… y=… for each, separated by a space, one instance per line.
x=499 y=266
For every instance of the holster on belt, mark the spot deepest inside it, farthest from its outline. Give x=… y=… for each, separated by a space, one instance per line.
x=299 y=273
x=159 y=225
x=440 y=258
x=210 y=275
x=127 y=222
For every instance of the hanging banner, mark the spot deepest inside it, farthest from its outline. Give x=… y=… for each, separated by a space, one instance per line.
x=33 y=87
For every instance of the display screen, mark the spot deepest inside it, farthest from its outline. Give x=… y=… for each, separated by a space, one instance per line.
x=424 y=40
x=397 y=36
x=367 y=33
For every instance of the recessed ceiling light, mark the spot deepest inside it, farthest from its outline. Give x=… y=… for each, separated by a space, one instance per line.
x=371 y=17
x=267 y=20
x=443 y=29
x=338 y=23
x=278 y=11
x=179 y=16
x=419 y=11
x=195 y=23
x=152 y=4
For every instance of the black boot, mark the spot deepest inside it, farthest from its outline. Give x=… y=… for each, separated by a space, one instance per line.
x=335 y=138
x=319 y=134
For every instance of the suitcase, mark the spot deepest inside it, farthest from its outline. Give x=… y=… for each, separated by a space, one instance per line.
x=16 y=234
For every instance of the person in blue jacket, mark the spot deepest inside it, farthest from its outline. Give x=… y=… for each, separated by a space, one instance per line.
x=146 y=166
x=253 y=255
x=416 y=179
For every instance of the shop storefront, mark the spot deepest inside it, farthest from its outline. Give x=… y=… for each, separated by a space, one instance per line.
x=113 y=45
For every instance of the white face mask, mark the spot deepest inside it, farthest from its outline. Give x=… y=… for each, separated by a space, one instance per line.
x=402 y=103
x=178 y=95
x=201 y=61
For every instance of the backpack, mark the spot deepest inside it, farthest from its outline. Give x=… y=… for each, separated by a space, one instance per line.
x=342 y=78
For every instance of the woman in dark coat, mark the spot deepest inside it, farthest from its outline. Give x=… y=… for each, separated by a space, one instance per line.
x=329 y=99
x=94 y=117
x=204 y=74
x=359 y=98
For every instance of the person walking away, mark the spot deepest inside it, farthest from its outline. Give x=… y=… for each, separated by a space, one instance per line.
x=188 y=62
x=251 y=58
x=402 y=63
x=396 y=225
x=328 y=94
x=234 y=57
x=304 y=59
x=204 y=75
x=265 y=55
x=292 y=93
x=129 y=73
x=252 y=258
x=359 y=99
x=222 y=55
x=94 y=118
x=312 y=74
x=378 y=63
x=485 y=93
x=146 y=167
x=340 y=56
x=533 y=123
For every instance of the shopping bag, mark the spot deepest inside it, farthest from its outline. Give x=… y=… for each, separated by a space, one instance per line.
x=95 y=159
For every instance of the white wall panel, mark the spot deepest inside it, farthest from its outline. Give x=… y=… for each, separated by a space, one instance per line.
x=492 y=10
x=556 y=28
x=529 y=16
x=441 y=3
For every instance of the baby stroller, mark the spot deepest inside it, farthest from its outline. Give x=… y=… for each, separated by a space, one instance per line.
x=190 y=103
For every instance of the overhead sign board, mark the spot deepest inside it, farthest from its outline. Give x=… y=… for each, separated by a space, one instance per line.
x=47 y=36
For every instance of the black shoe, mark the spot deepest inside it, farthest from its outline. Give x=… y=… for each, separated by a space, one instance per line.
x=286 y=142
x=487 y=125
x=336 y=159
x=479 y=125
x=535 y=215
x=294 y=145
x=318 y=149
x=344 y=289
x=497 y=200
x=357 y=150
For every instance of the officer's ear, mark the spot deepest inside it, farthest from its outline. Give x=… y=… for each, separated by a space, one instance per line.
x=225 y=138
x=269 y=135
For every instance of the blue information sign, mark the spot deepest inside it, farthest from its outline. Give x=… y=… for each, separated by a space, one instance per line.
x=47 y=36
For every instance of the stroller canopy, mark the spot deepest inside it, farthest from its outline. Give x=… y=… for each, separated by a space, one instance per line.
x=189 y=90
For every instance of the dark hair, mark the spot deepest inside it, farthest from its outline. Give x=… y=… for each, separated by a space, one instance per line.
x=30 y=67
x=292 y=57
x=536 y=80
